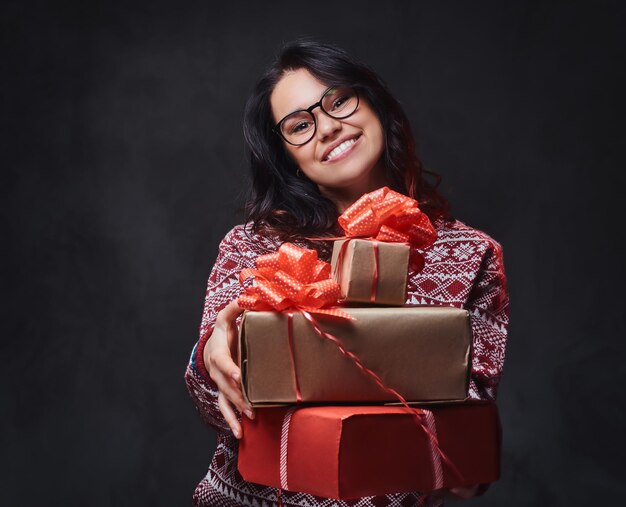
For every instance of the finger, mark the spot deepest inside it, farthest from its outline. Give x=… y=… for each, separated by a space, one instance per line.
x=223 y=364
x=231 y=311
x=228 y=382
x=465 y=492
x=232 y=338
x=235 y=397
x=229 y=415
x=227 y=322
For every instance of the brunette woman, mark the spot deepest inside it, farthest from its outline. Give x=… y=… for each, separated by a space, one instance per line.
x=322 y=130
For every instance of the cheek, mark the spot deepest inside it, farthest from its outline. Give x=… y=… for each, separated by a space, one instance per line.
x=382 y=140
x=378 y=137
x=302 y=156
x=374 y=128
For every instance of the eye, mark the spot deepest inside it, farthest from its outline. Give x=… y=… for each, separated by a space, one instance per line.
x=299 y=127
x=340 y=102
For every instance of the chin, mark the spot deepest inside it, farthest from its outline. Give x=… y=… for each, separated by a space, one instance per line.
x=351 y=173
x=356 y=180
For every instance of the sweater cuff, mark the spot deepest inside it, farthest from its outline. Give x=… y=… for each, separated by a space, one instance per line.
x=199 y=355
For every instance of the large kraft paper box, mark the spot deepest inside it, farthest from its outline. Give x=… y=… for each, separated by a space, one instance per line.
x=356 y=272
x=423 y=352
x=347 y=452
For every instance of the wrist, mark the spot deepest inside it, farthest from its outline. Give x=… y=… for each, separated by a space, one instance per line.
x=201 y=357
x=205 y=356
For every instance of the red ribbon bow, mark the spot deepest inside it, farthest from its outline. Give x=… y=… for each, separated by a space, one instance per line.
x=292 y=278
x=385 y=215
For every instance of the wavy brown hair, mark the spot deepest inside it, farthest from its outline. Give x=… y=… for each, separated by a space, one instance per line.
x=285 y=204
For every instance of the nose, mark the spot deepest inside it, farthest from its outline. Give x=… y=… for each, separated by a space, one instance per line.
x=326 y=125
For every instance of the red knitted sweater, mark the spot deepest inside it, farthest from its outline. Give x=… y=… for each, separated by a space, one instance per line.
x=464 y=268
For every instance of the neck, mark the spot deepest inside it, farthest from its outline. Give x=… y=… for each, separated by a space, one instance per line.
x=344 y=197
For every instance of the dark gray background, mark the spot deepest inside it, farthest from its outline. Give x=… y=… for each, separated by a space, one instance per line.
x=122 y=168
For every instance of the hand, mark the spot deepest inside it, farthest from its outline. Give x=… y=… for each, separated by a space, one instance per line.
x=464 y=492
x=218 y=355
x=460 y=493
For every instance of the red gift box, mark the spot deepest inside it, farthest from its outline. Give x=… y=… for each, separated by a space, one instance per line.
x=347 y=452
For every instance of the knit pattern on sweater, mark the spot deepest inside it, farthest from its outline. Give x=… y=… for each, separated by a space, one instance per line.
x=464 y=269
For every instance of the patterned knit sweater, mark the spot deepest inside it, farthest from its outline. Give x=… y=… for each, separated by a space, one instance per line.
x=464 y=268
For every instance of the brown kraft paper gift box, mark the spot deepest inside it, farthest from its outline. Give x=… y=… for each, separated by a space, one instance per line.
x=355 y=275
x=423 y=352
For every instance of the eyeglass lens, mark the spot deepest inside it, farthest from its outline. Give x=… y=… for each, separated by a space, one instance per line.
x=299 y=127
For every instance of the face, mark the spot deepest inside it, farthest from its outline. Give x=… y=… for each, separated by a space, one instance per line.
x=343 y=153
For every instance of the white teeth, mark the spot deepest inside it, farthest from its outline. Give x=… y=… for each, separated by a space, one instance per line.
x=340 y=149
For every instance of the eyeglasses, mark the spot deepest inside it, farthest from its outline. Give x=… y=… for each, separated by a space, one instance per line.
x=299 y=127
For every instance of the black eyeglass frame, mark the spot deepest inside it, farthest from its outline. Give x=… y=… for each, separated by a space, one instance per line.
x=277 y=130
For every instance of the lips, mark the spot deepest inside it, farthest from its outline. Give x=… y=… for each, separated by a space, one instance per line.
x=338 y=143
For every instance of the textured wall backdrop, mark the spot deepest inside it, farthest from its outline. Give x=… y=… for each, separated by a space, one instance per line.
x=122 y=168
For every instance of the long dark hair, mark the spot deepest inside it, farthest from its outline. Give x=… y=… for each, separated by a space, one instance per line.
x=283 y=203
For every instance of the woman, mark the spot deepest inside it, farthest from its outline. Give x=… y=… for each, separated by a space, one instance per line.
x=321 y=130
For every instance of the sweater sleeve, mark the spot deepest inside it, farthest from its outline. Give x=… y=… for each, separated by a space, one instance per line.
x=223 y=287
x=488 y=305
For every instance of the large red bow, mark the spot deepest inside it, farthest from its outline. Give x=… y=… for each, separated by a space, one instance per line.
x=292 y=278
x=385 y=215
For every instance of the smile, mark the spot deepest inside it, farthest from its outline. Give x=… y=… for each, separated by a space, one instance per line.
x=342 y=149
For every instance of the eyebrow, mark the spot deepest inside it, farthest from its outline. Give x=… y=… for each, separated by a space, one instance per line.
x=306 y=108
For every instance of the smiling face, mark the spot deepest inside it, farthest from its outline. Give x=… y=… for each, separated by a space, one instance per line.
x=343 y=155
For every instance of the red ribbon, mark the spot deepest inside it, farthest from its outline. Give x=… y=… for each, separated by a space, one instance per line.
x=375 y=273
x=295 y=279
x=293 y=356
x=292 y=278
x=418 y=412
x=388 y=216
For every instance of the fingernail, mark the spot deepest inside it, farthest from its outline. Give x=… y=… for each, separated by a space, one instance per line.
x=249 y=413
x=237 y=433
x=235 y=376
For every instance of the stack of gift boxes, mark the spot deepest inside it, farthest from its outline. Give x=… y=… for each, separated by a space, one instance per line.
x=369 y=398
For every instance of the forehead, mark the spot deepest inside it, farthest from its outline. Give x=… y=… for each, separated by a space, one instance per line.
x=297 y=89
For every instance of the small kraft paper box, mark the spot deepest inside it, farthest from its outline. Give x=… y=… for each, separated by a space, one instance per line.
x=351 y=452
x=423 y=352
x=355 y=274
